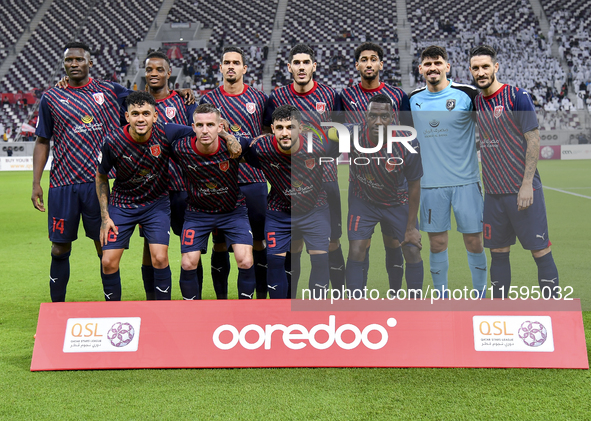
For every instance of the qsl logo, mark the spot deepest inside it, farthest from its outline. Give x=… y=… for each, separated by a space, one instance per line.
x=121 y=334
x=532 y=334
x=295 y=336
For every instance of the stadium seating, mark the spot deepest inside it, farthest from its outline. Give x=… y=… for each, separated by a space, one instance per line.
x=321 y=22
x=442 y=19
x=247 y=23
x=106 y=28
x=16 y=15
x=576 y=11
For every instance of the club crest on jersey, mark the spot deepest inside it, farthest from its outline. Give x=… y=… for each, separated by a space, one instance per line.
x=390 y=167
x=310 y=163
x=450 y=104
x=498 y=111
x=170 y=112
x=155 y=150
x=321 y=107
x=251 y=107
x=99 y=98
x=224 y=166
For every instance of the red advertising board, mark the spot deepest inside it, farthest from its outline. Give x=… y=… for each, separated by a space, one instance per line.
x=285 y=333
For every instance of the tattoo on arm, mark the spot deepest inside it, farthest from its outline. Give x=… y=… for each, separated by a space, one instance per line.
x=531 y=156
x=102 y=190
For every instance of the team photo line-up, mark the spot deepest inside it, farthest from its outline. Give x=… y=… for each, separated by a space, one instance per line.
x=205 y=168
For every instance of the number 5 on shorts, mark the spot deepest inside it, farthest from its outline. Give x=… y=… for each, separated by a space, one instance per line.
x=271 y=239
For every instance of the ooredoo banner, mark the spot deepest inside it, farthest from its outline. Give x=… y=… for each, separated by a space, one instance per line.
x=277 y=333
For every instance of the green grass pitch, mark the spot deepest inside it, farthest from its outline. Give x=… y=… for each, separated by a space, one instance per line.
x=279 y=394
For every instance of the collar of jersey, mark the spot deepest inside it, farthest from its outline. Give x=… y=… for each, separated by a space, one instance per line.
x=83 y=86
x=224 y=93
x=371 y=90
x=278 y=149
x=128 y=136
x=495 y=94
x=194 y=147
x=311 y=91
x=168 y=97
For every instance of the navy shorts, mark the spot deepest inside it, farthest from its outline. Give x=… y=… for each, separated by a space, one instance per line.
x=313 y=227
x=256 y=203
x=503 y=222
x=333 y=196
x=178 y=205
x=198 y=226
x=363 y=217
x=154 y=219
x=65 y=206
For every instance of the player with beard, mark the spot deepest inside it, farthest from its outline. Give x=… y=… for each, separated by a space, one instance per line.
x=243 y=108
x=297 y=211
x=443 y=114
x=369 y=61
x=316 y=102
x=77 y=118
x=386 y=190
x=171 y=108
x=514 y=205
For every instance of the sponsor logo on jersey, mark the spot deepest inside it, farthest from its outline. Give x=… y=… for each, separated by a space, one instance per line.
x=224 y=166
x=251 y=107
x=155 y=150
x=370 y=177
x=87 y=119
x=450 y=104
x=211 y=185
x=297 y=183
x=235 y=128
x=498 y=111
x=434 y=123
x=321 y=107
x=99 y=98
x=310 y=163
x=170 y=112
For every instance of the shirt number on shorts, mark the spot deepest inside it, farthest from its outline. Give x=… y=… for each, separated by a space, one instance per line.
x=271 y=242
x=188 y=237
x=58 y=224
x=112 y=236
x=487 y=231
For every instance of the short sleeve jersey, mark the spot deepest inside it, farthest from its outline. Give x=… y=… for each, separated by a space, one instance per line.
x=212 y=180
x=354 y=102
x=503 y=118
x=172 y=109
x=379 y=177
x=296 y=179
x=142 y=168
x=316 y=107
x=78 y=119
x=244 y=112
x=445 y=122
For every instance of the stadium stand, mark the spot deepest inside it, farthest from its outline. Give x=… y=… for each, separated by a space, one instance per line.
x=317 y=22
x=15 y=18
x=247 y=23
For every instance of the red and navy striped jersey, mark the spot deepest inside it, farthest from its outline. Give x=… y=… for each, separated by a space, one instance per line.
x=354 y=101
x=212 y=180
x=78 y=119
x=503 y=118
x=142 y=168
x=296 y=179
x=244 y=113
x=376 y=177
x=172 y=109
x=316 y=106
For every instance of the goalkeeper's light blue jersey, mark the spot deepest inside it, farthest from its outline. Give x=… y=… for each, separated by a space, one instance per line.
x=445 y=122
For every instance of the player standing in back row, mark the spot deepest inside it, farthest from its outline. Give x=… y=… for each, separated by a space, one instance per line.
x=243 y=107
x=369 y=60
x=443 y=114
x=514 y=201
x=77 y=118
x=316 y=102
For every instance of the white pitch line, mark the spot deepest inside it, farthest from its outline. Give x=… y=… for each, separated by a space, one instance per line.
x=567 y=192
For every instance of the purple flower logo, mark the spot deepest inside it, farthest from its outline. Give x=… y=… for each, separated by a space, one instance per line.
x=121 y=334
x=532 y=334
